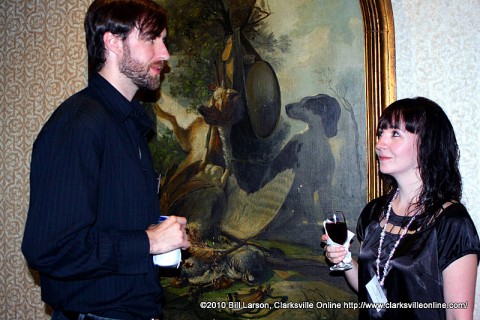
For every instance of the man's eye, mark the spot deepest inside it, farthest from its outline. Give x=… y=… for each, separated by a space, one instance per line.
x=395 y=134
x=149 y=39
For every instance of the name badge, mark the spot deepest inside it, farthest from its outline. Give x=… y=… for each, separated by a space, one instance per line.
x=375 y=291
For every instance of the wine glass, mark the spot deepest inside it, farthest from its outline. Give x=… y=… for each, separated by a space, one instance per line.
x=336 y=229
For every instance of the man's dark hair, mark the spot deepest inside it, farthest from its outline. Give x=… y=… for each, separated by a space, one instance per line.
x=120 y=17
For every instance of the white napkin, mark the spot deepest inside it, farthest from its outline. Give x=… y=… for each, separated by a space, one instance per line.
x=169 y=259
x=346 y=245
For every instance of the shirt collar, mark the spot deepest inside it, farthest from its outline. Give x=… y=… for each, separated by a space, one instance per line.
x=118 y=104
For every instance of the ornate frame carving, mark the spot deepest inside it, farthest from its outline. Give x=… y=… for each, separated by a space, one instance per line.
x=380 y=82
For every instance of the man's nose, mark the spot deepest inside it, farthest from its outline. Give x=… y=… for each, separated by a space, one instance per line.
x=163 y=53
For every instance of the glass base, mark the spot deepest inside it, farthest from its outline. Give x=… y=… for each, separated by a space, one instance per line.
x=342 y=266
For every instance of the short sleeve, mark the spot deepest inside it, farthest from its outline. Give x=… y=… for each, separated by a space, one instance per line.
x=368 y=214
x=456 y=235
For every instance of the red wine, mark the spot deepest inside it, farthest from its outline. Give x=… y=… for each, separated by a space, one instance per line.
x=337 y=231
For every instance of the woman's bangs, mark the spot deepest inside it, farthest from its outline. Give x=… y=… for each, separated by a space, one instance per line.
x=391 y=119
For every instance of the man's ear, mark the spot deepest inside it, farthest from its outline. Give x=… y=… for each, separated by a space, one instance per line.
x=113 y=43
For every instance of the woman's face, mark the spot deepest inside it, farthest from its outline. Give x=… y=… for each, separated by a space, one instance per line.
x=397 y=153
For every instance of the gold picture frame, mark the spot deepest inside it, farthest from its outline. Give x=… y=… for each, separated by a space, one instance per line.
x=380 y=81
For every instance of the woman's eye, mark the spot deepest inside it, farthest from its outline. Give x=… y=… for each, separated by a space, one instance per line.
x=395 y=134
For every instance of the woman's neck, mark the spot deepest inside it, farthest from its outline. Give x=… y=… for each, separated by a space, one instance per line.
x=407 y=199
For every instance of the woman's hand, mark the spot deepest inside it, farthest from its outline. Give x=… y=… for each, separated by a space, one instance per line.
x=335 y=254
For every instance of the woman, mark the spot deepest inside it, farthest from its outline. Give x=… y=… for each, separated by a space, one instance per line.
x=418 y=242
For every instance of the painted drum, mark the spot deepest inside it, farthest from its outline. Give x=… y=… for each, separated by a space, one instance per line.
x=263 y=99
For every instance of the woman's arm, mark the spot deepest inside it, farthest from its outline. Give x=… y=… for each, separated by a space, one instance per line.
x=335 y=254
x=352 y=276
x=459 y=280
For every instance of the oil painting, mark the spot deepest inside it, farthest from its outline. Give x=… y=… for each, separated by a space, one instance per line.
x=261 y=130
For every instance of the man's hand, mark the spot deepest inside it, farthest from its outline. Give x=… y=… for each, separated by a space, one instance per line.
x=169 y=235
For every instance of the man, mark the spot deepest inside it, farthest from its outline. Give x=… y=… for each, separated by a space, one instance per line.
x=91 y=229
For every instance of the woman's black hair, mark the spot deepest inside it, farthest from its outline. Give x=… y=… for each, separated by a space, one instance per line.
x=438 y=154
x=120 y=17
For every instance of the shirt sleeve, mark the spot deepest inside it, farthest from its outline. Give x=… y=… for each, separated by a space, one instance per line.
x=366 y=217
x=456 y=235
x=61 y=239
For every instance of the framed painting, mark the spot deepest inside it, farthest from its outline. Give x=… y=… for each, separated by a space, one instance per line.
x=266 y=121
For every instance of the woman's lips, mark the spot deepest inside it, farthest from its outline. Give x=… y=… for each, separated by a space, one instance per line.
x=383 y=158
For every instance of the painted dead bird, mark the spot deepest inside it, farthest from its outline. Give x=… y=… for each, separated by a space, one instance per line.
x=222 y=217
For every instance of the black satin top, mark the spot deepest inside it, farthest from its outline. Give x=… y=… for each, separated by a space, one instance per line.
x=416 y=268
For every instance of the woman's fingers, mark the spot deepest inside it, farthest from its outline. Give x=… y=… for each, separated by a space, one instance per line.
x=335 y=253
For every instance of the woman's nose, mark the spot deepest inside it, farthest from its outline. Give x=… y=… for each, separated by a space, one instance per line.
x=380 y=143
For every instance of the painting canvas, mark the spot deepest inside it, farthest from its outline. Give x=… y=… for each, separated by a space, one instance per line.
x=260 y=131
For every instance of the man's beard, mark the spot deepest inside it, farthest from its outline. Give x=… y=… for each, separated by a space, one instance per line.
x=138 y=72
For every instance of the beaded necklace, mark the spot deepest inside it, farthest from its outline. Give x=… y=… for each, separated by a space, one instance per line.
x=382 y=237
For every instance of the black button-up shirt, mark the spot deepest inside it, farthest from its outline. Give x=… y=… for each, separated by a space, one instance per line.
x=93 y=194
